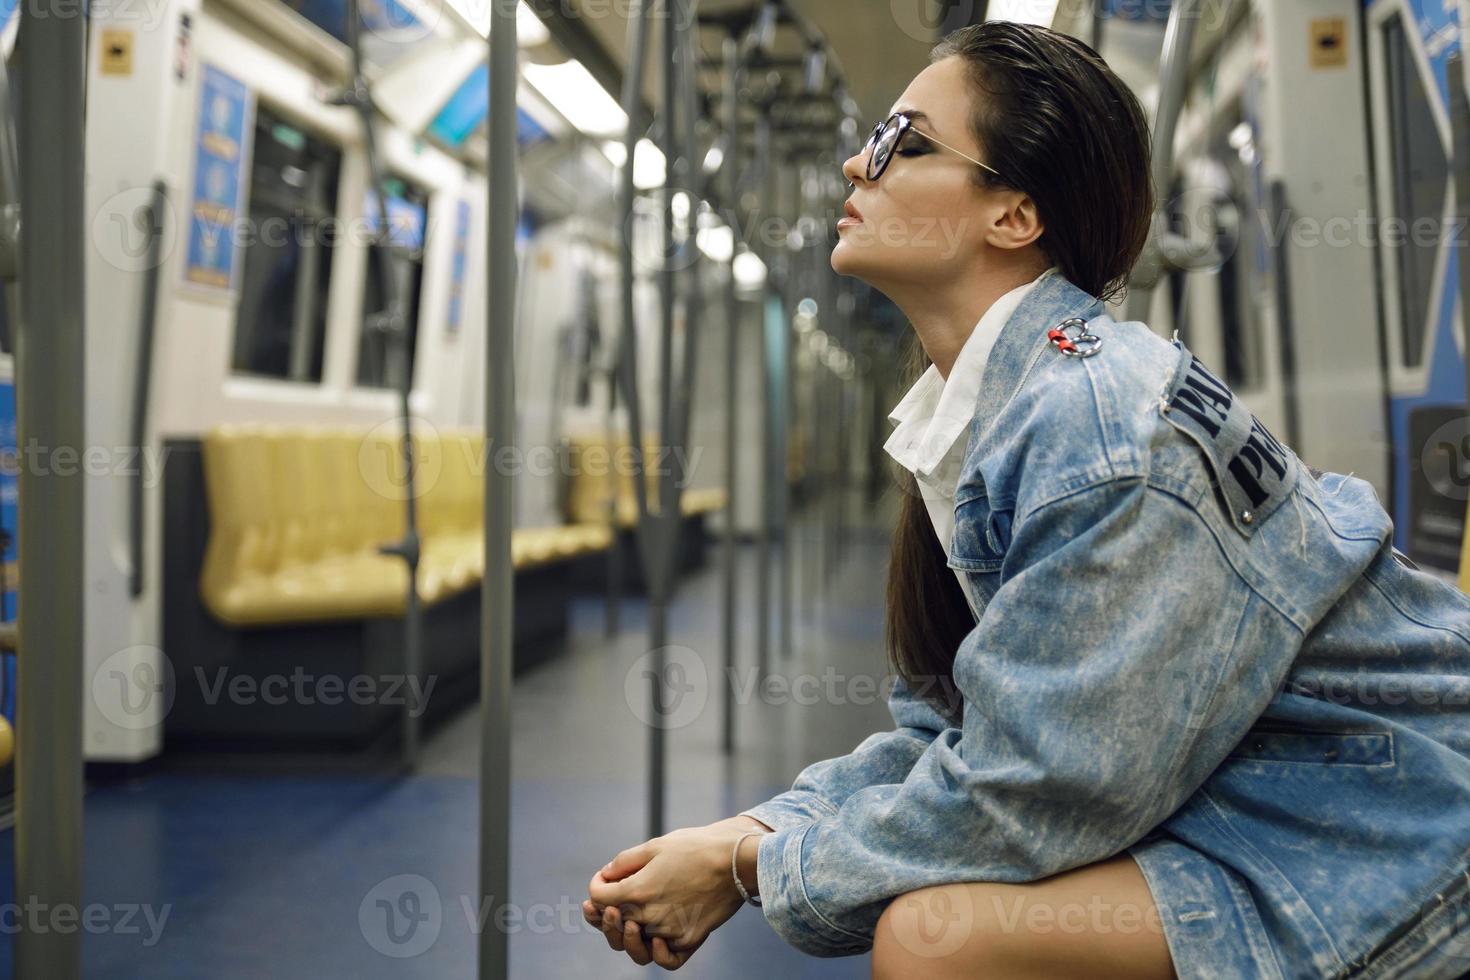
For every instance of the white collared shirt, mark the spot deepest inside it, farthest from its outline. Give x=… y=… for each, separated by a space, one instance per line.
x=936 y=411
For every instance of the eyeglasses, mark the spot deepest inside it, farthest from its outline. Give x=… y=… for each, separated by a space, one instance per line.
x=885 y=137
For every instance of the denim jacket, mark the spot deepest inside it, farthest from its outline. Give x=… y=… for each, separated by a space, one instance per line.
x=1192 y=647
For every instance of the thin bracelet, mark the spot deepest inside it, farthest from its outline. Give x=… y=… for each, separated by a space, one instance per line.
x=745 y=895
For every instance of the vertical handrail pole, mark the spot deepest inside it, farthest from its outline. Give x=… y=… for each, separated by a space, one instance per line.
x=668 y=516
x=690 y=256
x=792 y=289
x=143 y=384
x=496 y=608
x=50 y=385
x=731 y=173
x=647 y=534
x=763 y=534
x=391 y=323
x=1173 y=85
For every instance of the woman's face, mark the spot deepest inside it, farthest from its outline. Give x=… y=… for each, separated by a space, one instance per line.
x=925 y=218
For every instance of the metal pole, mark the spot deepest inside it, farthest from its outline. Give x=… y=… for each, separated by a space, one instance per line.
x=763 y=533
x=304 y=302
x=615 y=557
x=668 y=506
x=1173 y=84
x=142 y=384
x=50 y=384
x=690 y=256
x=391 y=324
x=647 y=533
x=731 y=166
x=496 y=608
x=792 y=286
x=628 y=342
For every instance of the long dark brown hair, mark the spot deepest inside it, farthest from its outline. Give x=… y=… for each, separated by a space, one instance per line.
x=1050 y=115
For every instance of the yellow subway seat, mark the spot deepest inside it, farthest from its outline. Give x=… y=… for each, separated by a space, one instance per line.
x=256 y=501
x=367 y=585
x=588 y=537
x=242 y=542
x=456 y=561
x=704 y=500
x=311 y=518
x=464 y=480
x=305 y=595
x=593 y=467
x=297 y=516
x=431 y=484
x=370 y=464
x=534 y=546
x=343 y=490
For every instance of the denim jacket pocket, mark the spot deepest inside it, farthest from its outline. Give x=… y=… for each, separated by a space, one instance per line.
x=1311 y=746
x=982 y=534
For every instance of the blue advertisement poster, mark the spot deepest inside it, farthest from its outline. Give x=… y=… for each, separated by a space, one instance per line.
x=467 y=108
x=461 y=251
x=9 y=515
x=378 y=16
x=219 y=161
x=405 y=221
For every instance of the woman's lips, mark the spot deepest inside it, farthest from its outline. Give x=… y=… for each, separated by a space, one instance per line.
x=853 y=217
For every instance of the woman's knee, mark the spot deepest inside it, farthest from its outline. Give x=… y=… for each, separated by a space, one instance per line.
x=934 y=933
x=1099 y=919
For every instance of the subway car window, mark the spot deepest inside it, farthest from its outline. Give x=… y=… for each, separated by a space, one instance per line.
x=1419 y=174
x=281 y=327
x=407 y=209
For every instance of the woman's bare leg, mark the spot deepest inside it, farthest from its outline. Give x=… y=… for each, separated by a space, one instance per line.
x=1095 y=922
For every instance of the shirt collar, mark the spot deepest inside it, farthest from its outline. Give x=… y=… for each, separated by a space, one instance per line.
x=933 y=413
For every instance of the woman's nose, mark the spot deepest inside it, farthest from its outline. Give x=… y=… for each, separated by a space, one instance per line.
x=855 y=167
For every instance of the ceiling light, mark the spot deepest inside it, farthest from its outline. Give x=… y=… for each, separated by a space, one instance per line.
x=714 y=159
x=750 y=271
x=765 y=28
x=573 y=92
x=814 y=70
x=648 y=162
x=530 y=31
x=718 y=244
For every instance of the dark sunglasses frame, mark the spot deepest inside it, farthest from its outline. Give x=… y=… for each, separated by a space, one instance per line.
x=901 y=120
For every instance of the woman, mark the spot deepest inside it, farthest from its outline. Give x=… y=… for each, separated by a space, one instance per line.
x=1168 y=701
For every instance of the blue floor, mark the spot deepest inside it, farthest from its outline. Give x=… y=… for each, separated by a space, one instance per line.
x=226 y=875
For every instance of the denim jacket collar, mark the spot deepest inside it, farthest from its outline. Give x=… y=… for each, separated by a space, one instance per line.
x=1053 y=300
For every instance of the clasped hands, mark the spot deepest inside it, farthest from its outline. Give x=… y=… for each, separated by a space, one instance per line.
x=660 y=900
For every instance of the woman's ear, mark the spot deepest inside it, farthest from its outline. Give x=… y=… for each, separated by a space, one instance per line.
x=1017 y=224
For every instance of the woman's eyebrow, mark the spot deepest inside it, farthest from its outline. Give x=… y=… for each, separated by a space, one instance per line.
x=919 y=115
